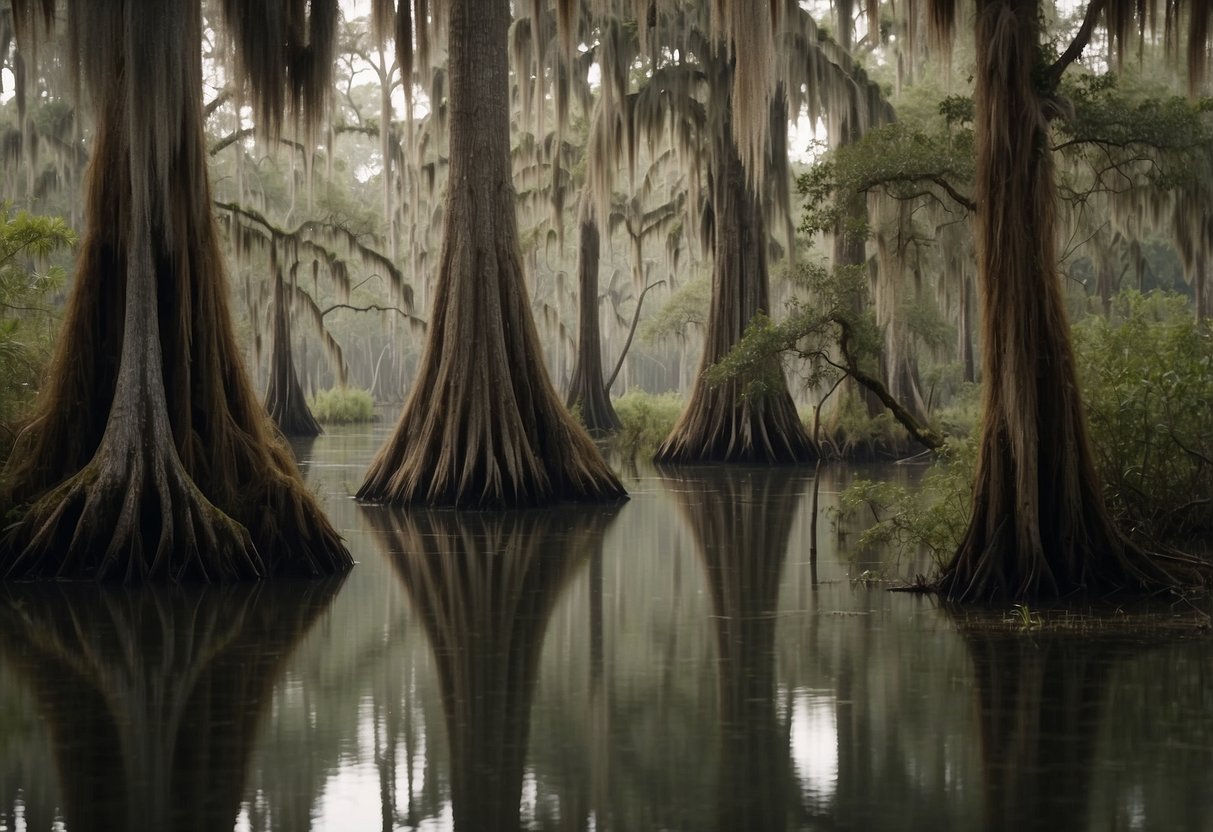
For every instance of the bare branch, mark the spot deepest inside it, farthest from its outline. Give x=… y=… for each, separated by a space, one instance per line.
x=1074 y=50
x=218 y=101
x=961 y=200
x=631 y=334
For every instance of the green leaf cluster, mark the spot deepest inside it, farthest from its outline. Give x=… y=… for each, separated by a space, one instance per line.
x=28 y=280
x=904 y=161
x=1147 y=375
x=647 y=419
x=827 y=302
x=930 y=517
x=1147 y=380
x=1155 y=140
x=342 y=406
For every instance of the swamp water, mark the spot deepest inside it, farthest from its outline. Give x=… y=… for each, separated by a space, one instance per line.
x=666 y=664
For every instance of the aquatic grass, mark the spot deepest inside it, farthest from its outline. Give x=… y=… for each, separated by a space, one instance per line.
x=342 y=406
x=648 y=418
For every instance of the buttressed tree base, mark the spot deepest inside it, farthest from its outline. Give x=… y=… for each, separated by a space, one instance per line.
x=483 y=426
x=148 y=456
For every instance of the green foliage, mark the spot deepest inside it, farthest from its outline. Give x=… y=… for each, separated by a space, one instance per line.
x=902 y=160
x=810 y=331
x=925 y=321
x=1147 y=376
x=343 y=406
x=1147 y=379
x=686 y=308
x=961 y=416
x=1146 y=138
x=647 y=420
x=27 y=282
x=929 y=517
x=850 y=427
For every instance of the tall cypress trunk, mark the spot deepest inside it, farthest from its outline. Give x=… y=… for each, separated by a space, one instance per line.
x=719 y=424
x=483 y=425
x=587 y=389
x=1039 y=528
x=149 y=455
x=284 y=400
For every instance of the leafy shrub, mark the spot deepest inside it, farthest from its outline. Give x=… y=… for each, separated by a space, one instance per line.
x=930 y=517
x=1147 y=378
x=27 y=319
x=852 y=433
x=343 y=406
x=647 y=420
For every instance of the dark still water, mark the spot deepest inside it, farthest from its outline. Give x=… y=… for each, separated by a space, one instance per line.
x=666 y=664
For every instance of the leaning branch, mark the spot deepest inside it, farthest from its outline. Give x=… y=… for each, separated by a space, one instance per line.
x=951 y=191
x=631 y=332
x=1074 y=50
x=923 y=434
x=215 y=103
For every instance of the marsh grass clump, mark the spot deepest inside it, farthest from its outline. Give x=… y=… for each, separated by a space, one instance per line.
x=646 y=420
x=343 y=406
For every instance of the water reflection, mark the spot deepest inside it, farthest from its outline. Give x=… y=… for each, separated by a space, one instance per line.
x=484 y=586
x=741 y=520
x=1040 y=706
x=152 y=697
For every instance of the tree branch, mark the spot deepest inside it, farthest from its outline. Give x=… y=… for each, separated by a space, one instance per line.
x=218 y=101
x=1081 y=39
x=961 y=200
x=374 y=307
x=229 y=140
x=631 y=332
x=923 y=434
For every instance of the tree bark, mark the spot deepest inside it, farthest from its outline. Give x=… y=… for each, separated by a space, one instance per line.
x=1039 y=527
x=148 y=455
x=483 y=425
x=587 y=389
x=284 y=400
x=719 y=424
x=964 y=329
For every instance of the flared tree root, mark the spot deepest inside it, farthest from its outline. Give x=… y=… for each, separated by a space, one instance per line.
x=99 y=523
x=994 y=569
x=719 y=425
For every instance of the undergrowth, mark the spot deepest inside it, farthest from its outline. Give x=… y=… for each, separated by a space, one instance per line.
x=342 y=406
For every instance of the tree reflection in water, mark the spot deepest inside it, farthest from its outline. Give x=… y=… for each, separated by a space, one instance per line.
x=152 y=695
x=1040 y=705
x=484 y=585
x=741 y=520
